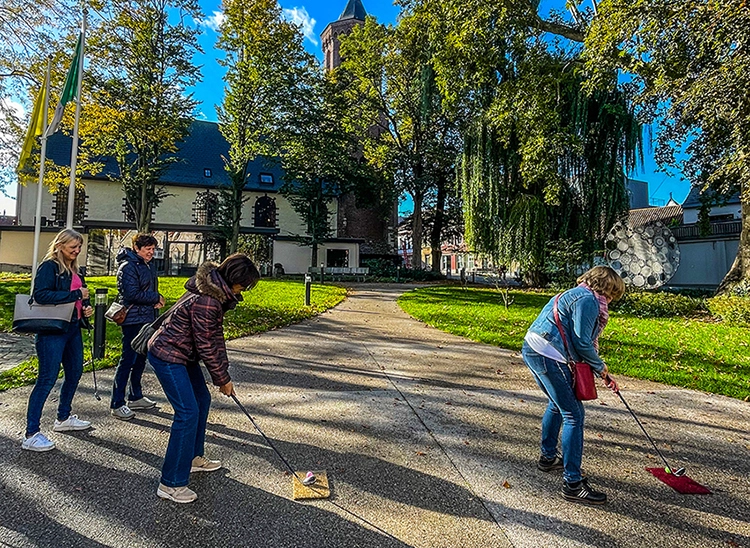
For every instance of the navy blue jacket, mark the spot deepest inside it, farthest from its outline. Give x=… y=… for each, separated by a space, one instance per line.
x=138 y=286
x=53 y=287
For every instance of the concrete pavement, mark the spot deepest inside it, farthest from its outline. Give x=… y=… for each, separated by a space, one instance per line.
x=429 y=440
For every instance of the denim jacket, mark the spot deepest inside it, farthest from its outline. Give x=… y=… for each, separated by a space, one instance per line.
x=579 y=315
x=53 y=287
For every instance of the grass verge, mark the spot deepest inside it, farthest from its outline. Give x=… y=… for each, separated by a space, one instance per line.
x=688 y=352
x=271 y=304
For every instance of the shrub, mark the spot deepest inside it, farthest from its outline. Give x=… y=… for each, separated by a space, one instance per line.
x=644 y=304
x=730 y=308
x=383 y=268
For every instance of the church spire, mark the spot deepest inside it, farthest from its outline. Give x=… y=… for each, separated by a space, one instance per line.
x=354 y=10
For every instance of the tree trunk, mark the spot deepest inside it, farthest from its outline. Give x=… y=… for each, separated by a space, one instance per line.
x=314 y=254
x=143 y=219
x=437 y=226
x=416 y=231
x=740 y=270
x=236 y=217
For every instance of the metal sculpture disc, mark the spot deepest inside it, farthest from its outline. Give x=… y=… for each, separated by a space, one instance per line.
x=645 y=257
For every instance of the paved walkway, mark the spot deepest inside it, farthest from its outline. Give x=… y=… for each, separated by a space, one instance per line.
x=14 y=348
x=429 y=441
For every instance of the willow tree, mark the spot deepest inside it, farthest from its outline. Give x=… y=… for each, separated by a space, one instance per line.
x=267 y=72
x=140 y=65
x=541 y=160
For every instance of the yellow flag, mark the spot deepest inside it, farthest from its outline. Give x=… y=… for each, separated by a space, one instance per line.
x=36 y=128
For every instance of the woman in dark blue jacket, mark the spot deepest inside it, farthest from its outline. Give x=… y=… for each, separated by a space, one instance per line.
x=138 y=290
x=58 y=281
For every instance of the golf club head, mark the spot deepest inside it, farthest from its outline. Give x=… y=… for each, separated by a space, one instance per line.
x=679 y=472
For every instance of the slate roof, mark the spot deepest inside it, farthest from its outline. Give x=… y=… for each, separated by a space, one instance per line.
x=202 y=150
x=667 y=215
x=693 y=198
x=354 y=10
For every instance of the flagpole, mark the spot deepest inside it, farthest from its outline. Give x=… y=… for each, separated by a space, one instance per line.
x=74 y=150
x=40 y=185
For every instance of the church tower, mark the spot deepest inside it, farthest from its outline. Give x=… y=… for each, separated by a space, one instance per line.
x=354 y=14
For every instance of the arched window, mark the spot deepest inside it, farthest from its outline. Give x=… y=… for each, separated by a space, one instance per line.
x=206 y=208
x=61 y=206
x=265 y=212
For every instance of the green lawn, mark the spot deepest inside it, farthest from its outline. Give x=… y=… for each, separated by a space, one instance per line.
x=689 y=352
x=271 y=304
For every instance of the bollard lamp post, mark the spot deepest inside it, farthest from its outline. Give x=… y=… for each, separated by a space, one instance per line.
x=308 y=285
x=100 y=324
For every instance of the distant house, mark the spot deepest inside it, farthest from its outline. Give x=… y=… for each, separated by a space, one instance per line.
x=185 y=217
x=705 y=257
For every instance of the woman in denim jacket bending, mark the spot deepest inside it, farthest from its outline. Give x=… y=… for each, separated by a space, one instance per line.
x=58 y=281
x=583 y=313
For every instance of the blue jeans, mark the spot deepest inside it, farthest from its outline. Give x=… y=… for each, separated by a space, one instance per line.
x=564 y=410
x=131 y=367
x=52 y=350
x=186 y=390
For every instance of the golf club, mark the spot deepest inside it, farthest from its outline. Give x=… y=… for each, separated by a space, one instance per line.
x=668 y=469
x=309 y=479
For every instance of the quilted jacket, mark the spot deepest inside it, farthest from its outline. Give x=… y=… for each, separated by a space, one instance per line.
x=195 y=329
x=138 y=287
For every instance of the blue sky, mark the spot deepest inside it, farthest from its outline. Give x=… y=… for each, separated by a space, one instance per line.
x=313 y=16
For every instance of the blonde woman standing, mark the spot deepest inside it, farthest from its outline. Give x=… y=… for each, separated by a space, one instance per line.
x=58 y=281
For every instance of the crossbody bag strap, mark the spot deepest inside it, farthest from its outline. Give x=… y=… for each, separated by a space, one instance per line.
x=181 y=301
x=560 y=328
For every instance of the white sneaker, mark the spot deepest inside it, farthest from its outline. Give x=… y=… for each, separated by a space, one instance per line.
x=143 y=403
x=202 y=464
x=38 y=442
x=123 y=413
x=71 y=423
x=181 y=495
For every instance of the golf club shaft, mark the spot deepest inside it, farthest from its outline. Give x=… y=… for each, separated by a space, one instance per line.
x=644 y=431
x=268 y=441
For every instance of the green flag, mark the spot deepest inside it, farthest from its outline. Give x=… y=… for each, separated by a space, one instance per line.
x=68 y=92
x=36 y=128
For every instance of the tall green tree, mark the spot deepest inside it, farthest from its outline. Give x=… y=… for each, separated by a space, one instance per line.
x=320 y=160
x=689 y=61
x=540 y=159
x=141 y=62
x=396 y=110
x=267 y=72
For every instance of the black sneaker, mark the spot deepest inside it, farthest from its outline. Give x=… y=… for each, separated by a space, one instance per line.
x=581 y=492
x=548 y=465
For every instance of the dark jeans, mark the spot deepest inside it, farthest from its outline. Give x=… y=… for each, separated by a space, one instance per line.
x=563 y=410
x=131 y=367
x=53 y=349
x=186 y=390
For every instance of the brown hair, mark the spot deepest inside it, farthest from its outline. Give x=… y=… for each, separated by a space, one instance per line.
x=239 y=269
x=605 y=281
x=63 y=238
x=144 y=240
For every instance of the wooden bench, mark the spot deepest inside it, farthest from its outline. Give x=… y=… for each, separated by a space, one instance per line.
x=341 y=272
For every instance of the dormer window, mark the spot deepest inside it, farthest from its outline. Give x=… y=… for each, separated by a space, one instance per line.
x=207 y=172
x=265 y=179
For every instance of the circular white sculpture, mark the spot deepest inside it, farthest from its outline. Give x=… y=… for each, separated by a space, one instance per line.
x=645 y=257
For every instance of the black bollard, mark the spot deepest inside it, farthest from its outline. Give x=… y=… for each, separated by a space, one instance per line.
x=308 y=285
x=100 y=323
x=398 y=274
x=322 y=273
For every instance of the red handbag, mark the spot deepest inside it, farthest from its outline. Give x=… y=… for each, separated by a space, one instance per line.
x=583 y=375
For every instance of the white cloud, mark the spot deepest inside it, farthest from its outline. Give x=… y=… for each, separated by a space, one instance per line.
x=213 y=22
x=302 y=19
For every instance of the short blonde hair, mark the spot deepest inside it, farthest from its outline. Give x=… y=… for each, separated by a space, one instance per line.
x=605 y=281
x=63 y=238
